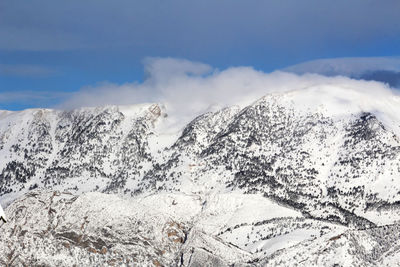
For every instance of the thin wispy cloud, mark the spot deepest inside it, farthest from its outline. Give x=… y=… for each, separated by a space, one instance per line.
x=347 y=66
x=34 y=98
x=382 y=69
x=20 y=70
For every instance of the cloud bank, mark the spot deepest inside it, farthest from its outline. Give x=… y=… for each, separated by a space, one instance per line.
x=190 y=88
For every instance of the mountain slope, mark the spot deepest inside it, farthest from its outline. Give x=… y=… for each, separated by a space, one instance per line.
x=162 y=229
x=87 y=148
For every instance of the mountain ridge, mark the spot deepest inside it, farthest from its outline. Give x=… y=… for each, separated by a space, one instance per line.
x=333 y=162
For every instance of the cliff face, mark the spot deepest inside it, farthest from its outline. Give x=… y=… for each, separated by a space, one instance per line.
x=240 y=185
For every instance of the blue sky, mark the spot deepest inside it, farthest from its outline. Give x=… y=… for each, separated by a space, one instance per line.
x=50 y=49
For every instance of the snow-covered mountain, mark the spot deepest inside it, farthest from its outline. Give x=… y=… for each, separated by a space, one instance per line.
x=291 y=179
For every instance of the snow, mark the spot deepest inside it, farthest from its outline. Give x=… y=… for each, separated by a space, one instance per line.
x=2 y=214
x=276 y=243
x=226 y=210
x=134 y=110
x=343 y=100
x=158 y=218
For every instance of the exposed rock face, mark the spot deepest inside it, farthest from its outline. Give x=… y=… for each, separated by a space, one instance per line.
x=328 y=175
x=92 y=229
x=53 y=228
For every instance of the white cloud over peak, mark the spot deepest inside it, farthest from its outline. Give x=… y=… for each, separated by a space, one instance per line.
x=190 y=88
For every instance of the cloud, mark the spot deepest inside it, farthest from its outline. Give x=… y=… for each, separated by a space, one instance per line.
x=163 y=68
x=353 y=67
x=188 y=88
x=165 y=80
x=382 y=69
x=19 y=70
x=392 y=78
x=33 y=98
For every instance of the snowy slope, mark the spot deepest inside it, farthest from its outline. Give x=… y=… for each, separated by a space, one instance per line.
x=2 y=214
x=372 y=247
x=94 y=228
x=320 y=153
